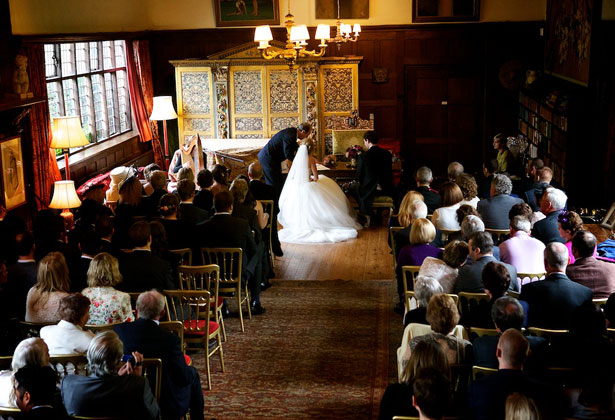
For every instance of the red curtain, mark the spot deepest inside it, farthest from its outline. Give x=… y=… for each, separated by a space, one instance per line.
x=45 y=166
x=141 y=94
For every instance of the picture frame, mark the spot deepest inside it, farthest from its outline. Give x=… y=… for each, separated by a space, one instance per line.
x=609 y=219
x=246 y=12
x=11 y=166
x=349 y=9
x=453 y=11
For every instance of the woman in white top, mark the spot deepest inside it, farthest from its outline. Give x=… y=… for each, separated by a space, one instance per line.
x=43 y=301
x=446 y=216
x=68 y=336
x=469 y=189
x=445 y=270
x=29 y=352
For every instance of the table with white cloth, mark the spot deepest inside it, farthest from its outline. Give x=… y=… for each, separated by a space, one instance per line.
x=235 y=154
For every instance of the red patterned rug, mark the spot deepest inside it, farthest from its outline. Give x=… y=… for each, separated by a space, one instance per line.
x=320 y=351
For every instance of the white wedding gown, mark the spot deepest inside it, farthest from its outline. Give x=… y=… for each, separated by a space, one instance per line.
x=314 y=212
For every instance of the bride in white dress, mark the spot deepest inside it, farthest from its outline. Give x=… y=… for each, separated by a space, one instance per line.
x=313 y=209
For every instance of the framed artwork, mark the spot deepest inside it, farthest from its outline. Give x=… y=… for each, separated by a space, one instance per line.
x=568 y=43
x=445 y=11
x=247 y=12
x=13 y=184
x=349 y=9
x=609 y=219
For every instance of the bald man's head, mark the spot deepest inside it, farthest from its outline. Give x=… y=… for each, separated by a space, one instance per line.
x=512 y=349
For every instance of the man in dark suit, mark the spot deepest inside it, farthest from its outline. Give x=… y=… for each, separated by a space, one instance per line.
x=104 y=229
x=204 y=198
x=494 y=210
x=484 y=183
x=282 y=146
x=432 y=199
x=141 y=270
x=158 y=180
x=374 y=173
x=90 y=247
x=487 y=397
x=188 y=212
x=551 y=204
x=599 y=276
x=181 y=386
x=25 y=269
x=35 y=388
x=553 y=300
x=481 y=252
x=226 y=231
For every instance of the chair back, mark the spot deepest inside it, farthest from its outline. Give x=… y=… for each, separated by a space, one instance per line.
x=185 y=254
x=525 y=278
x=188 y=307
x=480 y=372
x=470 y=301
x=409 y=273
x=499 y=235
x=177 y=328
x=65 y=364
x=447 y=232
x=201 y=277
x=32 y=329
x=548 y=334
x=152 y=370
x=228 y=260
x=480 y=332
x=513 y=294
x=392 y=231
x=268 y=207
x=600 y=302
x=10 y=412
x=451 y=295
x=95 y=329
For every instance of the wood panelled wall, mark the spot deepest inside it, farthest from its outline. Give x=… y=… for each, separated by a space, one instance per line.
x=475 y=51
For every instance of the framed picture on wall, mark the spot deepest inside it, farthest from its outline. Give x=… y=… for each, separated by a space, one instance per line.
x=247 y=12
x=445 y=11
x=13 y=184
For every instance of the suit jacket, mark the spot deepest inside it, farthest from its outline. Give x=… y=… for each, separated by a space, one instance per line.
x=112 y=396
x=432 y=198
x=282 y=146
x=204 y=199
x=484 y=352
x=374 y=170
x=487 y=397
x=152 y=201
x=598 y=275
x=552 y=301
x=80 y=279
x=248 y=214
x=141 y=270
x=192 y=214
x=494 y=210
x=66 y=338
x=146 y=337
x=470 y=276
x=546 y=230
x=261 y=191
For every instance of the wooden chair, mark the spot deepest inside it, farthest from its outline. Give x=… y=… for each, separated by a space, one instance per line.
x=64 y=364
x=467 y=301
x=451 y=295
x=480 y=332
x=498 y=234
x=32 y=329
x=95 y=329
x=177 y=328
x=406 y=270
x=204 y=277
x=392 y=231
x=192 y=308
x=446 y=233
x=229 y=261
x=152 y=369
x=384 y=202
x=185 y=254
x=546 y=333
x=600 y=302
x=513 y=294
x=531 y=277
x=268 y=207
x=10 y=412
x=480 y=372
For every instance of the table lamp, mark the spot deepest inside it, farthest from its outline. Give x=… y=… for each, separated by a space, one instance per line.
x=67 y=133
x=163 y=111
x=65 y=198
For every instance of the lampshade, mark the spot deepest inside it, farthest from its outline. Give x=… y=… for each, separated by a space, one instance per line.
x=263 y=33
x=64 y=196
x=163 y=109
x=356 y=28
x=299 y=33
x=67 y=133
x=323 y=32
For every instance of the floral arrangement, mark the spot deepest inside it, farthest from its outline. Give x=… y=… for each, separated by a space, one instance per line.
x=329 y=161
x=353 y=152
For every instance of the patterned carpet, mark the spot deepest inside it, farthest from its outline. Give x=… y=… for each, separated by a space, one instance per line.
x=320 y=351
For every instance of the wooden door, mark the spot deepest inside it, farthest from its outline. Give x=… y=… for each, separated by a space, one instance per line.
x=442 y=117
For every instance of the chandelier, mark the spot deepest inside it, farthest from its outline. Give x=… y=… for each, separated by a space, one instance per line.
x=297 y=36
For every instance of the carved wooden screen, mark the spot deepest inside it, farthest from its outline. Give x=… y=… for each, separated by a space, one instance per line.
x=248 y=102
x=284 y=96
x=194 y=102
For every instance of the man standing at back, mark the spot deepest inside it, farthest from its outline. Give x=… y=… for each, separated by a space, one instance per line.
x=374 y=173
x=282 y=146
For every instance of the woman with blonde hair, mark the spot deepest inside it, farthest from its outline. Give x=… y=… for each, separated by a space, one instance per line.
x=43 y=301
x=107 y=305
x=520 y=407
x=404 y=217
x=29 y=352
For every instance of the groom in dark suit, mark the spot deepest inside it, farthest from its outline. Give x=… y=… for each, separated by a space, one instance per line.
x=374 y=173
x=282 y=146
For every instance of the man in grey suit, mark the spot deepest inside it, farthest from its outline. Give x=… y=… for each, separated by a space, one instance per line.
x=481 y=252
x=494 y=210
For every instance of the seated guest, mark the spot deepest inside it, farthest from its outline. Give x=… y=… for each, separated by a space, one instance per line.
x=105 y=229
x=454 y=170
x=29 y=352
x=220 y=175
x=488 y=395
x=130 y=205
x=35 y=388
x=445 y=270
x=108 y=305
x=421 y=234
x=432 y=394
x=112 y=389
x=188 y=212
x=523 y=209
x=160 y=247
x=68 y=337
x=484 y=184
x=181 y=386
x=521 y=250
x=445 y=217
x=141 y=270
x=494 y=210
x=178 y=231
x=529 y=178
x=43 y=301
x=90 y=246
x=424 y=288
x=542 y=181
x=568 y=224
x=505 y=158
x=404 y=218
x=185 y=173
x=25 y=269
x=518 y=406
x=239 y=190
x=158 y=180
x=552 y=301
x=424 y=178
x=414 y=211
x=471 y=224
x=397 y=398
x=506 y=313
x=20 y=277
x=598 y=275
x=480 y=249
x=551 y=204
x=496 y=280
x=204 y=198
x=148 y=171
x=461 y=213
x=261 y=191
x=469 y=189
